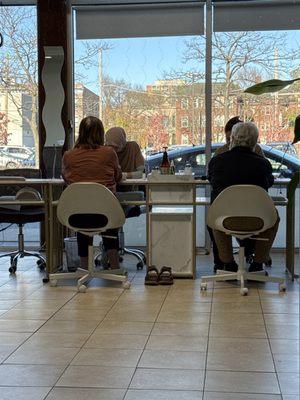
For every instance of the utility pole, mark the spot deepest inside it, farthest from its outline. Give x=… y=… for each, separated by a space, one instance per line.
x=100 y=79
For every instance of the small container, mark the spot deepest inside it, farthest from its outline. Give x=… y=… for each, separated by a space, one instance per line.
x=72 y=257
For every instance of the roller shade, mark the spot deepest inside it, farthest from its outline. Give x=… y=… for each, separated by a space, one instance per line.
x=17 y=2
x=140 y=20
x=256 y=15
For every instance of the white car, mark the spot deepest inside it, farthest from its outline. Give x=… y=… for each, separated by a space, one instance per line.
x=17 y=151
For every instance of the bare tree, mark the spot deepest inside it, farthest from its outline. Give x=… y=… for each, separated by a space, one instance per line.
x=236 y=55
x=18 y=72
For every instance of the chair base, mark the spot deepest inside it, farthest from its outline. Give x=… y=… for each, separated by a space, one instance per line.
x=16 y=255
x=241 y=275
x=83 y=276
x=139 y=254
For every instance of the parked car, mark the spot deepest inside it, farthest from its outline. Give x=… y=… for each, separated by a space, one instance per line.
x=7 y=161
x=29 y=162
x=286 y=147
x=17 y=151
x=282 y=163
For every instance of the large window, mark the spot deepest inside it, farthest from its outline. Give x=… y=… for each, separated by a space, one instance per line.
x=18 y=101
x=18 y=88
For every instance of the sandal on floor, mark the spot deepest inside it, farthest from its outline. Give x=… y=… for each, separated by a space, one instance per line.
x=151 y=277
x=165 y=276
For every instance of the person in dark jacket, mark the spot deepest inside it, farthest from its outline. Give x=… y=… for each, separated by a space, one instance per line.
x=241 y=166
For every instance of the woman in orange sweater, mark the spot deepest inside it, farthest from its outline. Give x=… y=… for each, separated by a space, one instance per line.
x=91 y=161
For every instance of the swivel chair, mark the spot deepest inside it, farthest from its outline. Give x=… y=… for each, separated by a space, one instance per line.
x=101 y=211
x=21 y=215
x=242 y=211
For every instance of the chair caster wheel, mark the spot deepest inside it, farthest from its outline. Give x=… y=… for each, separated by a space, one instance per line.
x=82 y=289
x=282 y=287
x=53 y=282
x=139 y=266
x=244 y=291
x=46 y=280
x=203 y=286
x=121 y=259
x=12 y=269
x=41 y=265
x=126 y=285
x=268 y=263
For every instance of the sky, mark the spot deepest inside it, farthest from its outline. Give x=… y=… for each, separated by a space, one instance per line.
x=141 y=61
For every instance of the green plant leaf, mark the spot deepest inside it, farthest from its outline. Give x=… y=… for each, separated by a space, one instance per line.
x=297 y=130
x=270 y=86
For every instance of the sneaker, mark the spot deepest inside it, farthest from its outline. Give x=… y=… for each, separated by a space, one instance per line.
x=256 y=267
x=231 y=267
x=218 y=267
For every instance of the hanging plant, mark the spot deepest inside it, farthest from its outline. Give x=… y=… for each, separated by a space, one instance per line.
x=270 y=86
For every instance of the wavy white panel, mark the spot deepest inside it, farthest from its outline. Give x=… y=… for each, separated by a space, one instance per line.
x=54 y=94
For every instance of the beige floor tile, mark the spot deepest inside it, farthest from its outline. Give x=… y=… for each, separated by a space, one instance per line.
x=13 y=338
x=7 y=304
x=24 y=393
x=172 y=359
x=26 y=325
x=70 y=314
x=286 y=362
x=33 y=314
x=116 y=341
x=236 y=361
x=40 y=305
x=280 y=308
x=115 y=327
x=283 y=331
x=237 y=318
x=289 y=383
x=241 y=382
x=167 y=379
x=290 y=397
x=274 y=295
x=239 y=345
x=29 y=375
x=48 y=340
x=239 y=396
x=184 y=316
x=137 y=316
x=72 y=326
x=163 y=395
x=183 y=306
x=283 y=346
x=5 y=351
x=237 y=307
x=281 y=319
x=96 y=377
x=42 y=355
x=239 y=330
x=179 y=343
x=100 y=304
x=108 y=357
x=86 y=394
x=184 y=329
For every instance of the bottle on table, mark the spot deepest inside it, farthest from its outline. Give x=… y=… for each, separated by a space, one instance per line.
x=165 y=166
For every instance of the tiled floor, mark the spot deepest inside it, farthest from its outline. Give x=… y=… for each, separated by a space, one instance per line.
x=147 y=343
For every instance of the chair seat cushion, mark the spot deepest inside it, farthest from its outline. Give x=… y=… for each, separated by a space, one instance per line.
x=243 y=224
x=23 y=216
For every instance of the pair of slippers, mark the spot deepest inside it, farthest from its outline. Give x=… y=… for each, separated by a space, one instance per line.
x=163 y=277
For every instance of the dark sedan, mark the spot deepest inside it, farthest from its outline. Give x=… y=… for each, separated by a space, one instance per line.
x=282 y=163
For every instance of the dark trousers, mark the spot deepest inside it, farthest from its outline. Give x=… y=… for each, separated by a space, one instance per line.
x=84 y=241
x=249 y=247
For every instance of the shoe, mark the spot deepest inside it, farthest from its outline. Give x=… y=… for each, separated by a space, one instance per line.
x=231 y=267
x=165 y=276
x=151 y=278
x=218 y=267
x=256 y=267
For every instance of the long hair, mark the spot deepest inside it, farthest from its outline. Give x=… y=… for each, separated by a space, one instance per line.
x=91 y=133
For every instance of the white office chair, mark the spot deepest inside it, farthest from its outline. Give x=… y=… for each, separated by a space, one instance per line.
x=101 y=211
x=256 y=207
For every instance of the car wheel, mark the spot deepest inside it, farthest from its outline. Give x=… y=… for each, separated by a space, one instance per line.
x=11 y=164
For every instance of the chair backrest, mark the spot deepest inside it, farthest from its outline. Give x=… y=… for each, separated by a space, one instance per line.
x=242 y=211
x=89 y=208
